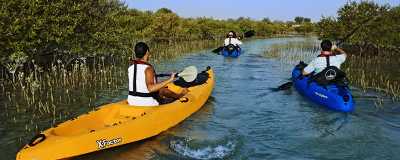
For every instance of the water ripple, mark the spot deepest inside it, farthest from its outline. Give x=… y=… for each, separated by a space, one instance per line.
x=203 y=149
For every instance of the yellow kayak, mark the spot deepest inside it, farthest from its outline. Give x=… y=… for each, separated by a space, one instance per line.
x=114 y=125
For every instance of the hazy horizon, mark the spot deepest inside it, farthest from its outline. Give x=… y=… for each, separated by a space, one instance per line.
x=282 y=10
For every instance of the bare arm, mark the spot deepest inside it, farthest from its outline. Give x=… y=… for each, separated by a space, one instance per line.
x=308 y=69
x=338 y=50
x=239 y=42
x=152 y=86
x=340 y=54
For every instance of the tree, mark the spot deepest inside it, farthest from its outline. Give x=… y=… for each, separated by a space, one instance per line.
x=300 y=20
x=48 y=30
x=266 y=20
x=41 y=28
x=163 y=27
x=364 y=23
x=329 y=28
x=305 y=28
x=164 y=11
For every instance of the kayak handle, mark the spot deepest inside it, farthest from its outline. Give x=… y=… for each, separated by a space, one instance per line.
x=184 y=99
x=37 y=139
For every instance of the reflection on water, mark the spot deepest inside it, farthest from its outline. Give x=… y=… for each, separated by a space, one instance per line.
x=244 y=119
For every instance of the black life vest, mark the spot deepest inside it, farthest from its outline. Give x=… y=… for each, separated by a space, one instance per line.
x=331 y=74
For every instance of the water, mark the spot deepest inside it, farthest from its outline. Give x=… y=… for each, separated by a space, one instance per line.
x=244 y=119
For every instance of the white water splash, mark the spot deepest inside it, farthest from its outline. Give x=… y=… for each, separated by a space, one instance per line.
x=209 y=152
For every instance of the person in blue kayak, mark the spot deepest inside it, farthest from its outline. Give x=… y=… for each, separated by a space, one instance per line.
x=144 y=89
x=231 y=38
x=336 y=57
x=326 y=67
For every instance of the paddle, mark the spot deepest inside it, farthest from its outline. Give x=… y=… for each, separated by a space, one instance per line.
x=218 y=50
x=250 y=33
x=188 y=74
x=246 y=35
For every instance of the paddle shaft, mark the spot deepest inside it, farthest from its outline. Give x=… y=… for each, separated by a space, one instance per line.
x=166 y=75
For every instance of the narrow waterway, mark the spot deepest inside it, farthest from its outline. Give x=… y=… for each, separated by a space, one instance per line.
x=244 y=119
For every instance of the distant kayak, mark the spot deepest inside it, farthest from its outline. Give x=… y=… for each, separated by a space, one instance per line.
x=231 y=51
x=335 y=97
x=117 y=124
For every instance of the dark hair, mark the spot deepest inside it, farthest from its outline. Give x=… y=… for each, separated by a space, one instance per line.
x=234 y=34
x=326 y=45
x=140 y=49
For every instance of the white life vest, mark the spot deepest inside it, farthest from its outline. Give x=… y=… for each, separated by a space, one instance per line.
x=139 y=95
x=233 y=41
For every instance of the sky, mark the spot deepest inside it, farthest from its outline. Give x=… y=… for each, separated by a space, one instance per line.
x=283 y=10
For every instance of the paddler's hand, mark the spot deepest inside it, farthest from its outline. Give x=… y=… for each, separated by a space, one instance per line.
x=334 y=47
x=337 y=50
x=184 y=91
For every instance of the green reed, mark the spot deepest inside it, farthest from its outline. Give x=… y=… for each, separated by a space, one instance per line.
x=292 y=51
x=175 y=49
x=374 y=72
x=43 y=98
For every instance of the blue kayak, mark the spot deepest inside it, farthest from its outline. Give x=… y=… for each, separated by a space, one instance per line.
x=226 y=52
x=334 y=97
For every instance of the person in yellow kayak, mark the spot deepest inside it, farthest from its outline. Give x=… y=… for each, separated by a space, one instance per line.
x=144 y=90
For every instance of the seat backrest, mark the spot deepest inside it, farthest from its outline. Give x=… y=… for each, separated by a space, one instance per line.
x=329 y=75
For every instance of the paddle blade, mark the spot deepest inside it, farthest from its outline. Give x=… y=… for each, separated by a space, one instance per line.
x=285 y=86
x=189 y=74
x=249 y=33
x=217 y=50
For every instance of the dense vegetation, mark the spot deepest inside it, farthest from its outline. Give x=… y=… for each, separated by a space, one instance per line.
x=367 y=25
x=371 y=34
x=62 y=30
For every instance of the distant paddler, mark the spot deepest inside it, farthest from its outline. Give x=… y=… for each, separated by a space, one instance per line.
x=231 y=39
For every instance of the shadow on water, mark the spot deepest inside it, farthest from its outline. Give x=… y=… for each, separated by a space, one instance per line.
x=244 y=119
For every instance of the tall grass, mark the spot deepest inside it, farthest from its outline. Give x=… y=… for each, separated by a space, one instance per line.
x=374 y=72
x=167 y=51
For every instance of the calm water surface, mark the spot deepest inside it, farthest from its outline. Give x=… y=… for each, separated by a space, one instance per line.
x=244 y=119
